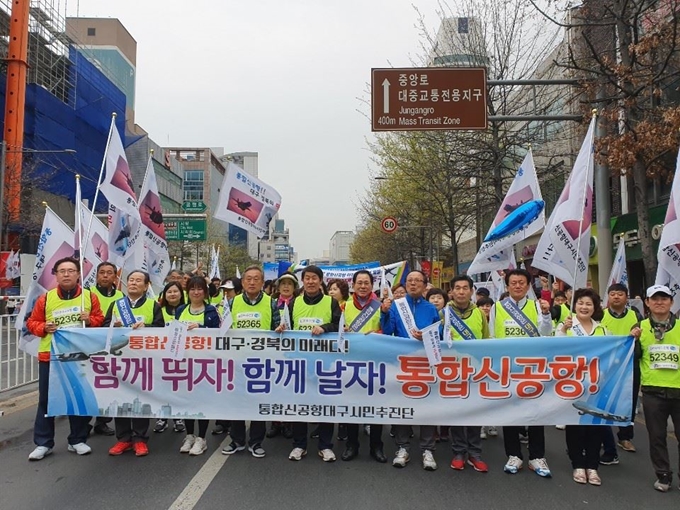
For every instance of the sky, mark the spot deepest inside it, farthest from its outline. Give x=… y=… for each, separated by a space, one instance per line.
x=287 y=79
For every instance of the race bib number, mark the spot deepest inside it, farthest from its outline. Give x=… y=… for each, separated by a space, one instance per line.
x=308 y=323
x=512 y=329
x=67 y=317
x=248 y=320
x=664 y=357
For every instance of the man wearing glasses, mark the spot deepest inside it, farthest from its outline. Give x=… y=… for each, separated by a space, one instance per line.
x=57 y=309
x=406 y=317
x=657 y=346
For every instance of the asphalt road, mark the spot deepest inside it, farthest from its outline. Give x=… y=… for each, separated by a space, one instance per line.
x=168 y=480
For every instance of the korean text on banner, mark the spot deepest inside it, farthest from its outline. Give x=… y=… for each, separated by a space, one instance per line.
x=246 y=201
x=261 y=375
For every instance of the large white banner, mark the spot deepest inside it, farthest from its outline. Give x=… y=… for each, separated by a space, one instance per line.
x=56 y=242
x=668 y=272
x=499 y=254
x=261 y=375
x=246 y=201
x=563 y=248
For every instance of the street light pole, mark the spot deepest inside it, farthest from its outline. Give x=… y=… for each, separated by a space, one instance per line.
x=3 y=157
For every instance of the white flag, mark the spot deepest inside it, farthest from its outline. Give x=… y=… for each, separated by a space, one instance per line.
x=497 y=254
x=56 y=242
x=668 y=272
x=118 y=188
x=153 y=229
x=341 y=333
x=246 y=201
x=174 y=264
x=213 y=263
x=285 y=317
x=384 y=284
x=238 y=273
x=95 y=248
x=227 y=319
x=563 y=248
x=8 y=265
x=217 y=264
x=618 y=274
x=15 y=266
x=447 y=326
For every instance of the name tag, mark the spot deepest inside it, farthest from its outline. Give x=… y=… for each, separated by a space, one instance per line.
x=67 y=317
x=664 y=357
x=512 y=328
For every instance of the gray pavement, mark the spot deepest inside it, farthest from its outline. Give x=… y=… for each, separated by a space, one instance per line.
x=166 y=479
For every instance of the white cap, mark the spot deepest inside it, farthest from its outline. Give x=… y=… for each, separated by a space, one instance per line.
x=659 y=289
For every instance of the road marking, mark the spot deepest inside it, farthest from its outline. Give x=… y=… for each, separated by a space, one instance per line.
x=201 y=481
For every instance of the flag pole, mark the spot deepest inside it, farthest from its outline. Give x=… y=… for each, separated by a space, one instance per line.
x=101 y=175
x=79 y=235
x=580 y=223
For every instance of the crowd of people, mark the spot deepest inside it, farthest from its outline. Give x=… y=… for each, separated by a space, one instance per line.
x=315 y=306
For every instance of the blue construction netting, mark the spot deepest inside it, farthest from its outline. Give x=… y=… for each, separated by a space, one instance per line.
x=81 y=124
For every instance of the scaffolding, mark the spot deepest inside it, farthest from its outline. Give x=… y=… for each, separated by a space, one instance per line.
x=52 y=54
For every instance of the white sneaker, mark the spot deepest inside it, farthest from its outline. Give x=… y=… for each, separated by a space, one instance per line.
x=482 y=434
x=401 y=458
x=560 y=427
x=39 y=453
x=493 y=432
x=80 y=448
x=187 y=444
x=540 y=467
x=327 y=455
x=297 y=454
x=429 y=463
x=199 y=446
x=513 y=465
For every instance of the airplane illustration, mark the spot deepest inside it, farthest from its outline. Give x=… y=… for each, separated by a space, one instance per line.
x=585 y=408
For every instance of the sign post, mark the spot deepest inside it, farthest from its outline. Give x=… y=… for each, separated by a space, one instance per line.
x=428 y=98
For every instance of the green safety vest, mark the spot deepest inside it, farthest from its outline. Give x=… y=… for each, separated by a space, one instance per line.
x=105 y=301
x=660 y=362
x=475 y=322
x=505 y=325
x=188 y=317
x=564 y=313
x=352 y=312
x=247 y=316
x=167 y=316
x=305 y=316
x=622 y=326
x=65 y=313
x=216 y=300
x=142 y=313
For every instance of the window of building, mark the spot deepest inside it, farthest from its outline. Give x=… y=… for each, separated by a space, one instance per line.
x=193 y=185
x=92 y=32
x=463 y=25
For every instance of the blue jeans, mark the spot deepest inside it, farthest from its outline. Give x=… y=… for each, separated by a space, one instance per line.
x=43 y=430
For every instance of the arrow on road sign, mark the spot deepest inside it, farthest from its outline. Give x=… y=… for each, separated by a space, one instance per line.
x=386 y=96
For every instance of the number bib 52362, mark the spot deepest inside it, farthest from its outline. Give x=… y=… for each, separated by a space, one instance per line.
x=664 y=357
x=67 y=317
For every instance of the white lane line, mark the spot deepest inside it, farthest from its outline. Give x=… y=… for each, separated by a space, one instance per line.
x=201 y=481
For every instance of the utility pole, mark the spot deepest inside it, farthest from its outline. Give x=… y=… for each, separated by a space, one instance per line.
x=603 y=213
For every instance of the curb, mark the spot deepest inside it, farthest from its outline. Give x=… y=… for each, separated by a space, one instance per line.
x=18 y=403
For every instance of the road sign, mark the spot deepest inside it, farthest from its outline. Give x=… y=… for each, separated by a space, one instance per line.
x=428 y=98
x=194 y=206
x=189 y=229
x=389 y=224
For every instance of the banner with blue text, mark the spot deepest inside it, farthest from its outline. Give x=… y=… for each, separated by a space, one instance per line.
x=261 y=375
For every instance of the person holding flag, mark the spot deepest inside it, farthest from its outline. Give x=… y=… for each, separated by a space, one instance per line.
x=619 y=319
x=136 y=311
x=317 y=313
x=252 y=309
x=657 y=346
x=407 y=317
x=362 y=313
x=466 y=322
x=66 y=306
x=518 y=316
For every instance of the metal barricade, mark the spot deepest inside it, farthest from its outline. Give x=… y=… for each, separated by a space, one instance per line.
x=16 y=367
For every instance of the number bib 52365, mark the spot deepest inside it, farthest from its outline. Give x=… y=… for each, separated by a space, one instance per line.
x=663 y=356
x=308 y=323
x=248 y=320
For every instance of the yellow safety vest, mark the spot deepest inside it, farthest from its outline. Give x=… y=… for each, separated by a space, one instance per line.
x=65 y=313
x=305 y=316
x=247 y=316
x=660 y=362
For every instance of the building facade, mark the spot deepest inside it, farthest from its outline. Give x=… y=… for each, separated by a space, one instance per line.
x=339 y=247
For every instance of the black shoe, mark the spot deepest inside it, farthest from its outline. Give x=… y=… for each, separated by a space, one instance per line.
x=609 y=459
x=379 y=455
x=219 y=430
x=103 y=429
x=392 y=431
x=274 y=431
x=350 y=452
x=288 y=432
x=342 y=432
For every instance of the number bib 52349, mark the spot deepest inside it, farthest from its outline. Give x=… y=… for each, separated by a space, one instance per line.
x=664 y=357
x=308 y=323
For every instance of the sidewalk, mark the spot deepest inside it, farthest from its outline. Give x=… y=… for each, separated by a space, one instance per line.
x=17 y=414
